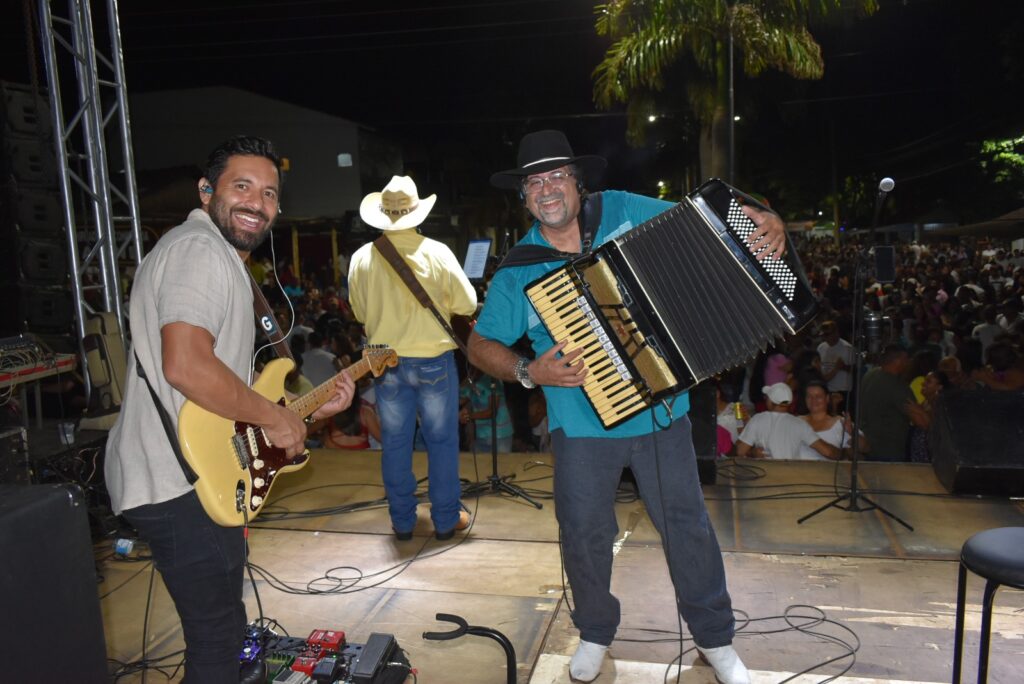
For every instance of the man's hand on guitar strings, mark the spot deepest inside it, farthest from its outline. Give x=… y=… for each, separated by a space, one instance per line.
x=344 y=391
x=558 y=371
x=769 y=233
x=287 y=431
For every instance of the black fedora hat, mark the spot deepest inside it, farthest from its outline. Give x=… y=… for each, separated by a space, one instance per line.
x=542 y=151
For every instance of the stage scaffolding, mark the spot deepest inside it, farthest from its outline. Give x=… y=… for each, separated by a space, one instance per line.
x=96 y=170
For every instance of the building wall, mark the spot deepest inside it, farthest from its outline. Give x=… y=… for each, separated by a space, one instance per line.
x=180 y=127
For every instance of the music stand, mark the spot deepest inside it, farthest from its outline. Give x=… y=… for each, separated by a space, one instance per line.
x=853 y=501
x=495 y=483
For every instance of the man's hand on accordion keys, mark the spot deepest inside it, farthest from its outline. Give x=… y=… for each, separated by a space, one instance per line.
x=560 y=371
x=769 y=235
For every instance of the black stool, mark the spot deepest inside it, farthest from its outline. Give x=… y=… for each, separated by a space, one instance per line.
x=998 y=556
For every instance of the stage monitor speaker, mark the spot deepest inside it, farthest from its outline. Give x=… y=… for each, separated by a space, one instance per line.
x=976 y=442
x=704 y=419
x=49 y=587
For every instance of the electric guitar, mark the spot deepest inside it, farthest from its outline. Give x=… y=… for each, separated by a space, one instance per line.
x=235 y=461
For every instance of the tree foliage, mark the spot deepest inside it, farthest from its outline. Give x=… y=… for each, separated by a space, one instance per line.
x=655 y=40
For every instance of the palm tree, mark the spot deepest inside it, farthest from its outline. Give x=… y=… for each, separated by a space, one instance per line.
x=658 y=41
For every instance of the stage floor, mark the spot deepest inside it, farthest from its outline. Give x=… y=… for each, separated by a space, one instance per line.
x=846 y=580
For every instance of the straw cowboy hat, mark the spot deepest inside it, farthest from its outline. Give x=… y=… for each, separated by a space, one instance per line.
x=544 y=151
x=396 y=208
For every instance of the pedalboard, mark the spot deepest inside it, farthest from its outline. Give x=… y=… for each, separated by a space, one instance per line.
x=325 y=657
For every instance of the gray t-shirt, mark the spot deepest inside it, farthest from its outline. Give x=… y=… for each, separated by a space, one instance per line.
x=192 y=276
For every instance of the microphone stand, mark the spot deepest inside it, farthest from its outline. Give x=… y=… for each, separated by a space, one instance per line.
x=497 y=484
x=853 y=501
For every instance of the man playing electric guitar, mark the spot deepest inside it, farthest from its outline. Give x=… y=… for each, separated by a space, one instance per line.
x=192 y=337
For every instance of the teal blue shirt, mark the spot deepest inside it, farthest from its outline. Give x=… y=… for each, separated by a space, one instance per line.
x=507 y=314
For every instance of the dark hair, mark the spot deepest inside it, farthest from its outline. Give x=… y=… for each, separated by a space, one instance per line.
x=801 y=396
x=891 y=353
x=246 y=145
x=816 y=383
x=942 y=378
x=1001 y=356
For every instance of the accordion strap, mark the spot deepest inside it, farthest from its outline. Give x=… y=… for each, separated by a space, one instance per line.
x=590 y=220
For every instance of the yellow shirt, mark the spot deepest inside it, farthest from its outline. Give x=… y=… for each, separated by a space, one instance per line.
x=390 y=312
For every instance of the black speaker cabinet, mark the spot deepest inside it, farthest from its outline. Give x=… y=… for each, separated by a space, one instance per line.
x=48 y=585
x=37 y=261
x=29 y=160
x=977 y=442
x=25 y=112
x=885 y=263
x=704 y=419
x=29 y=209
x=37 y=309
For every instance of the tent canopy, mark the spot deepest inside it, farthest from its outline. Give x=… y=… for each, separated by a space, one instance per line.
x=1008 y=226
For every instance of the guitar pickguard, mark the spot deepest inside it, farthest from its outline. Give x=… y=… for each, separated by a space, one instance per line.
x=263 y=461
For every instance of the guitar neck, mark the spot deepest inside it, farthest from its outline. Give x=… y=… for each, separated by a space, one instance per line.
x=311 y=401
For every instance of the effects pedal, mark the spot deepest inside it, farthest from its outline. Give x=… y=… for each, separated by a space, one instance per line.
x=375 y=654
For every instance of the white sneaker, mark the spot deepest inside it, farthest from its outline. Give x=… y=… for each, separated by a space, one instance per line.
x=726 y=663
x=586 y=662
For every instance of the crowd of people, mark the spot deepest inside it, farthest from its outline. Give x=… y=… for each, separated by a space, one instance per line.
x=951 y=319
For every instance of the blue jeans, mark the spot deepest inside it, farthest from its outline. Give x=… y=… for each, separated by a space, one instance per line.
x=587 y=473
x=201 y=564
x=428 y=388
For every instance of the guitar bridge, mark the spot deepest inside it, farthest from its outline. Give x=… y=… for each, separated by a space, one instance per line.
x=241 y=448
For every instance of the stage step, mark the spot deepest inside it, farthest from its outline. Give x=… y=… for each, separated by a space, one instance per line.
x=554 y=669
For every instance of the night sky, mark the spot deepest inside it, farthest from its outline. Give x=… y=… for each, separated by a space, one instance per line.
x=908 y=93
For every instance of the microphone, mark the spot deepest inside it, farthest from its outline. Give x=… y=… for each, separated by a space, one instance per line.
x=885 y=186
x=504 y=246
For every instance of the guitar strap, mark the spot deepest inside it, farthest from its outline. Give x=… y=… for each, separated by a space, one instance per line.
x=388 y=251
x=267 y=322
x=165 y=419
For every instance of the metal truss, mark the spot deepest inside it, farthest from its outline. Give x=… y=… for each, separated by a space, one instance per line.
x=96 y=169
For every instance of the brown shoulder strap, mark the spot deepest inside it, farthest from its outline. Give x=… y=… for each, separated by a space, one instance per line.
x=267 y=322
x=401 y=266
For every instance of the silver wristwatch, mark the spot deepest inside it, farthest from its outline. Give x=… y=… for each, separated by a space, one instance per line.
x=522 y=374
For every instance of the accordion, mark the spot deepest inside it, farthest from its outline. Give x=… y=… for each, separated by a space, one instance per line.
x=674 y=301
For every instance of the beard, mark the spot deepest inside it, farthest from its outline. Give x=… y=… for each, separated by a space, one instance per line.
x=239 y=239
x=556 y=216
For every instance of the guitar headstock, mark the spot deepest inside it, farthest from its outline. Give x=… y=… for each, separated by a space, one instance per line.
x=378 y=357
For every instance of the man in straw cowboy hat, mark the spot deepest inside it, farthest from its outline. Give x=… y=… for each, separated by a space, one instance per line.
x=425 y=383
x=550 y=180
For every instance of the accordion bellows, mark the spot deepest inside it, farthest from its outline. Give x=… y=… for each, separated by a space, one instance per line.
x=674 y=301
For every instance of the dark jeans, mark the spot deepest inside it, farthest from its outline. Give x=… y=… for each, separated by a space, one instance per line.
x=427 y=388
x=587 y=473
x=201 y=564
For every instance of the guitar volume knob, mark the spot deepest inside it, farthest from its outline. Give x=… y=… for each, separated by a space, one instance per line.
x=258 y=464
x=258 y=483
